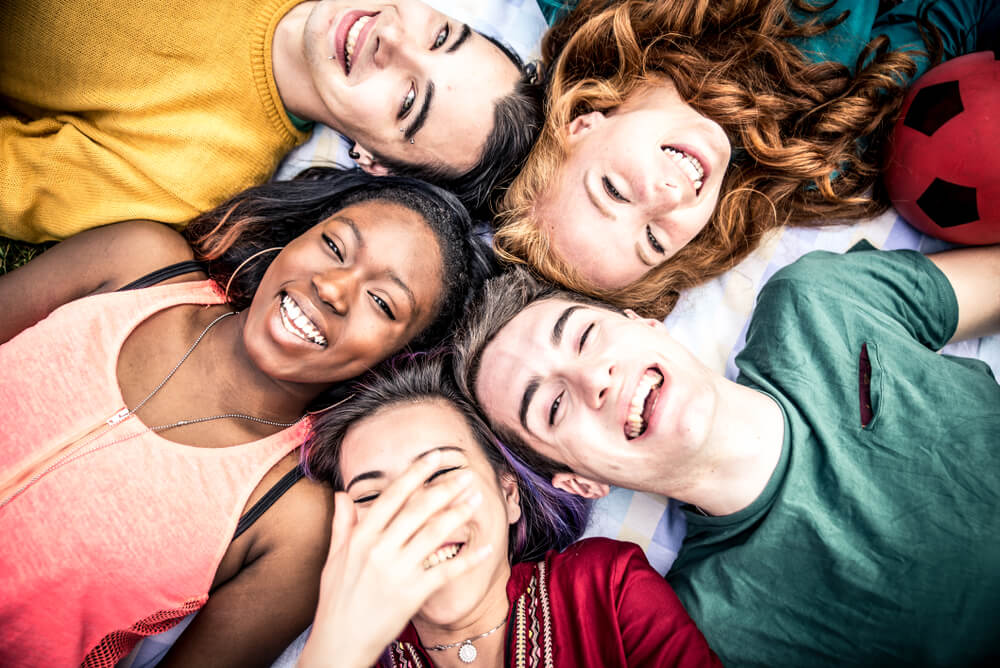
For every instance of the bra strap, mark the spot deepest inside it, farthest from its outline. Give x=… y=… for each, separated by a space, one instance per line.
x=164 y=274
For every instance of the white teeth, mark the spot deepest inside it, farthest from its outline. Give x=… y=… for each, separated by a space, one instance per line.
x=442 y=554
x=689 y=164
x=634 y=423
x=352 y=37
x=298 y=323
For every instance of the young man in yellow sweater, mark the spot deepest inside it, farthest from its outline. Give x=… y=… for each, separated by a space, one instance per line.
x=159 y=110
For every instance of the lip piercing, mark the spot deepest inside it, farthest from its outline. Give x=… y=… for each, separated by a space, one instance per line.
x=353 y=154
x=329 y=57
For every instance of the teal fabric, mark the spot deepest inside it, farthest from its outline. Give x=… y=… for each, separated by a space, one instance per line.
x=875 y=545
x=956 y=19
x=553 y=10
x=300 y=124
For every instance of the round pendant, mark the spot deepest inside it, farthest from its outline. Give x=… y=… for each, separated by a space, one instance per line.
x=467 y=652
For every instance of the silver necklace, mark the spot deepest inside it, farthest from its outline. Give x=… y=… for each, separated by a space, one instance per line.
x=467 y=653
x=123 y=414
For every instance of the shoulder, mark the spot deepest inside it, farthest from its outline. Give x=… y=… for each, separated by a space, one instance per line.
x=131 y=249
x=596 y=558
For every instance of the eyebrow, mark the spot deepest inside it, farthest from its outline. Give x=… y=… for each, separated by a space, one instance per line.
x=595 y=200
x=354 y=228
x=529 y=394
x=557 y=330
x=535 y=381
x=464 y=35
x=421 y=117
x=394 y=277
x=371 y=475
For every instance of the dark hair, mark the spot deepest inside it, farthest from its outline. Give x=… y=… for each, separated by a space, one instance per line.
x=273 y=214
x=501 y=299
x=517 y=119
x=550 y=518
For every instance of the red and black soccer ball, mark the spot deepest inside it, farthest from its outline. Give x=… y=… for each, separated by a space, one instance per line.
x=944 y=161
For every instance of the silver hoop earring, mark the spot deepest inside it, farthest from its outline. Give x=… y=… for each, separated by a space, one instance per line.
x=331 y=407
x=244 y=263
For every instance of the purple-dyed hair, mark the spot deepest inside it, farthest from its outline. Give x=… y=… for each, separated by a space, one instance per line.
x=550 y=517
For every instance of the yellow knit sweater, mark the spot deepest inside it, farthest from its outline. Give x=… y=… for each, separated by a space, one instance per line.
x=124 y=109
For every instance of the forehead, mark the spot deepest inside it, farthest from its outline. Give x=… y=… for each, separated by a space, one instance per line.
x=397 y=238
x=521 y=349
x=392 y=437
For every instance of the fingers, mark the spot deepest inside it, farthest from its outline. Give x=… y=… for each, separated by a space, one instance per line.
x=423 y=505
x=393 y=498
x=344 y=519
x=437 y=576
x=438 y=528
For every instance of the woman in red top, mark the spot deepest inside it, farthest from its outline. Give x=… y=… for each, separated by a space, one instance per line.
x=438 y=525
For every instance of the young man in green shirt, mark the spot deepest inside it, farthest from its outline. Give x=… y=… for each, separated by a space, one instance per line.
x=842 y=493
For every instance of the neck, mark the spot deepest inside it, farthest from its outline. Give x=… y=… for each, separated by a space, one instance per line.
x=743 y=449
x=252 y=391
x=490 y=611
x=291 y=70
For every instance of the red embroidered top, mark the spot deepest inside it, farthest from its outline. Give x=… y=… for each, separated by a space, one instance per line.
x=598 y=603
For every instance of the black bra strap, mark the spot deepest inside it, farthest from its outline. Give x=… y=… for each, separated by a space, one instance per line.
x=164 y=274
x=268 y=499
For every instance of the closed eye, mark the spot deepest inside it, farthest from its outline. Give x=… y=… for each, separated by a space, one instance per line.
x=554 y=408
x=442 y=37
x=653 y=243
x=440 y=472
x=333 y=247
x=583 y=338
x=381 y=303
x=404 y=108
x=612 y=191
x=368 y=498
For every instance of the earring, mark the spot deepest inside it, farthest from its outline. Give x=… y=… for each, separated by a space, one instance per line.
x=411 y=141
x=354 y=155
x=331 y=407
x=243 y=263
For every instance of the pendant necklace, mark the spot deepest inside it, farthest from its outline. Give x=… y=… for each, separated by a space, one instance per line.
x=467 y=652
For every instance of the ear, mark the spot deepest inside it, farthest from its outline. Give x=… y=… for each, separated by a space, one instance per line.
x=652 y=322
x=581 y=125
x=511 y=496
x=367 y=162
x=576 y=484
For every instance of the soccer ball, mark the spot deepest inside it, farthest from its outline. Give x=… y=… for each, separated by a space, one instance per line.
x=944 y=158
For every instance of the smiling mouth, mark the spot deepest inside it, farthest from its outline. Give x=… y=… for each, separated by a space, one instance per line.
x=296 y=322
x=642 y=403
x=689 y=165
x=443 y=554
x=352 y=39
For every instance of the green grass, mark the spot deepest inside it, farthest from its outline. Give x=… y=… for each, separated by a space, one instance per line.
x=15 y=253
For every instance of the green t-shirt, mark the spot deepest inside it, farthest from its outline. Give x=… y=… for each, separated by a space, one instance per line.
x=872 y=545
x=955 y=19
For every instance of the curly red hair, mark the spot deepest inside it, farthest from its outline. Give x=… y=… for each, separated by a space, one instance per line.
x=808 y=137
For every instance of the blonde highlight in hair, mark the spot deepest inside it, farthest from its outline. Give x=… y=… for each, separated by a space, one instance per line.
x=808 y=137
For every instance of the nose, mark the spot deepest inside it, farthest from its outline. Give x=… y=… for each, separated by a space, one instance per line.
x=664 y=193
x=335 y=287
x=594 y=378
x=393 y=45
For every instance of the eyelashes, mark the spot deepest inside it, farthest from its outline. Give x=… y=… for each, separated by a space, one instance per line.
x=368 y=498
x=612 y=191
x=653 y=243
